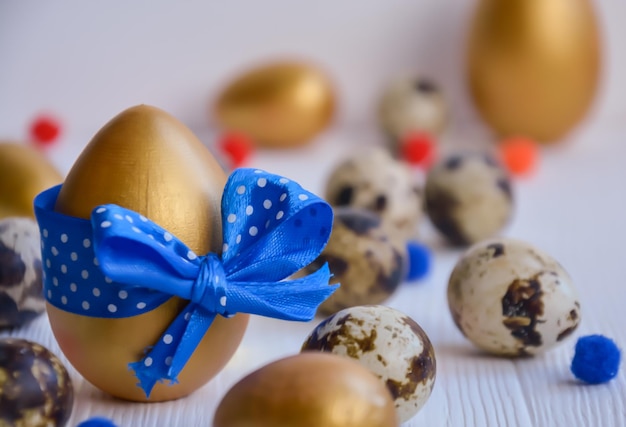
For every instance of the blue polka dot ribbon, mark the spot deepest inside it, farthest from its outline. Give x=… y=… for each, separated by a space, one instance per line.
x=121 y=264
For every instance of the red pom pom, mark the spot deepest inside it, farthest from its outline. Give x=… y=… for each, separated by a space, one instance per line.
x=519 y=155
x=237 y=147
x=418 y=148
x=45 y=130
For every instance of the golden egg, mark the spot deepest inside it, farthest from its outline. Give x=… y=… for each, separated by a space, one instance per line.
x=534 y=65
x=279 y=105
x=311 y=389
x=149 y=162
x=24 y=173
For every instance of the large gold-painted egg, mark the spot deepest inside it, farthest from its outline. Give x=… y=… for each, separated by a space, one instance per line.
x=534 y=65
x=149 y=162
x=283 y=104
x=311 y=389
x=24 y=173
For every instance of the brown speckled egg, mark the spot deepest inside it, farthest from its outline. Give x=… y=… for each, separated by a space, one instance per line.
x=35 y=388
x=21 y=297
x=373 y=180
x=511 y=299
x=387 y=342
x=308 y=390
x=363 y=257
x=412 y=104
x=468 y=197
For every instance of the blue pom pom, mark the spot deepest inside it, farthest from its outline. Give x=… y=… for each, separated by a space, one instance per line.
x=596 y=359
x=419 y=261
x=97 y=422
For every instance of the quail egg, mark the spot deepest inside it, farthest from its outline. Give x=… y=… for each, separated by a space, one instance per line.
x=35 y=388
x=363 y=257
x=468 y=197
x=21 y=294
x=511 y=299
x=412 y=104
x=390 y=344
x=373 y=180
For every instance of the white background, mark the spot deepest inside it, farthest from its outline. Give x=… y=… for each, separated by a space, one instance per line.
x=87 y=61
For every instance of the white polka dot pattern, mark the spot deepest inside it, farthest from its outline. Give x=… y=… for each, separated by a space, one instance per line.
x=74 y=281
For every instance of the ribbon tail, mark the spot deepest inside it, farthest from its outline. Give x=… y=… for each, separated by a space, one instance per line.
x=296 y=299
x=169 y=355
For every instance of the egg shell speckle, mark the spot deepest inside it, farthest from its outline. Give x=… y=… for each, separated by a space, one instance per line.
x=21 y=294
x=390 y=344
x=364 y=258
x=373 y=180
x=468 y=197
x=511 y=299
x=35 y=388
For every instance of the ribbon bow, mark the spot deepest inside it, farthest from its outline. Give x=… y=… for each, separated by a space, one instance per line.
x=271 y=229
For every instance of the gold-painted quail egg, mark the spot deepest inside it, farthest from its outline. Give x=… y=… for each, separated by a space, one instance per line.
x=308 y=390
x=412 y=104
x=280 y=104
x=468 y=197
x=24 y=173
x=375 y=181
x=512 y=299
x=21 y=297
x=145 y=160
x=368 y=262
x=390 y=344
x=35 y=388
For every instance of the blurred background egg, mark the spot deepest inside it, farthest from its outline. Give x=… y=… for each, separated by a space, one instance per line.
x=147 y=161
x=511 y=299
x=24 y=173
x=308 y=390
x=279 y=105
x=35 y=388
x=412 y=104
x=534 y=65
x=468 y=197
x=368 y=262
x=373 y=180
x=21 y=290
x=388 y=343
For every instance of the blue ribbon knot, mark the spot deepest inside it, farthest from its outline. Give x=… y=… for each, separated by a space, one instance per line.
x=126 y=265
x=209 y=288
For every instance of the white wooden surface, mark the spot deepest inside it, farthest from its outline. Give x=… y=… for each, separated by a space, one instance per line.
x=573 y=208
x=87 y=61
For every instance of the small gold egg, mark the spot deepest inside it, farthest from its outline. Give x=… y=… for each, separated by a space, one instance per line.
x=534 y=65
x=147 y=161
x=311 y=389
x=24 y=173
x=280 y=105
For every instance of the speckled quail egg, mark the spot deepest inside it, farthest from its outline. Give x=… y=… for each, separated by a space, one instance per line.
x=390 y=344
x=373 y=180
x=35 y=388
x=468 y=197
x=511 y=299
x=21 y=295
x=310 y=389
x=363 y=257
x=410 y=104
